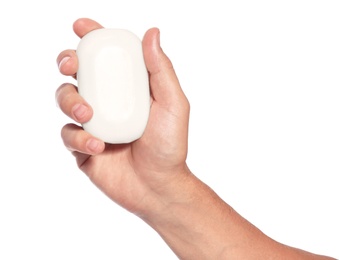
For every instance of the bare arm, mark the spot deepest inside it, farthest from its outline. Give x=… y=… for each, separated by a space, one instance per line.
x=197 y=224
x=150 y=178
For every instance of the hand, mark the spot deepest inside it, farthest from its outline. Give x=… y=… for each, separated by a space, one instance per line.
x=130 y=174
x=150 y=178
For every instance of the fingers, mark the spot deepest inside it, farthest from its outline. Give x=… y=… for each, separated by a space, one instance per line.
x=72 y=104
x=165 y=86
x=83 y=26
x=76 y=139
x=73 y=136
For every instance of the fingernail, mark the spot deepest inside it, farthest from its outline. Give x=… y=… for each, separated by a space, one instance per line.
x=63 y=61
x=94 y=145
x=158 y=40
x=158 y=37
x=79 y=111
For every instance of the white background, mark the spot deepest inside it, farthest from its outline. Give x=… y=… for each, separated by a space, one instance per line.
x=262 y=78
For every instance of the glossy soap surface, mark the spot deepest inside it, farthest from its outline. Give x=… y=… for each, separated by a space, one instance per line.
x=113 y=79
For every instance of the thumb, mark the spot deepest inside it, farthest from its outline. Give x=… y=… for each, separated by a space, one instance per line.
x=165 y=86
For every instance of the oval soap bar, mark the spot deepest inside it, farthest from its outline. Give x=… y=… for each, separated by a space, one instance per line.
x=113 y=79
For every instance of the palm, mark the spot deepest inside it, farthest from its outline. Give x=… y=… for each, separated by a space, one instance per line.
x=123 y=170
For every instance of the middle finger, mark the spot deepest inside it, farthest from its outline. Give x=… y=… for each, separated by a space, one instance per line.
x=72 y=104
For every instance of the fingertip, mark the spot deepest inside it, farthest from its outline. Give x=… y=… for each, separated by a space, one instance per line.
x=151 y=32
x=164 y=84
x=152 y=38
x=152 y=49
x=78 y=23
x=75 y=138
x=63 y=66
x=82 y=26
x=67 y=62
x=72 y=104
x=95 y=146
x=68 y=66
x=81 y=112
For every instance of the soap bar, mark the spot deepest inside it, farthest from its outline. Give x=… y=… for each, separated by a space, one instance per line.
x=113 y=79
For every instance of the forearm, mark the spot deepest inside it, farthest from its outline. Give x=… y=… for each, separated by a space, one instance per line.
x=188 y=223
x=197 y=224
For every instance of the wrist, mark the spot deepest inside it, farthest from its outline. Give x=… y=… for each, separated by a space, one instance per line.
x=168 y=189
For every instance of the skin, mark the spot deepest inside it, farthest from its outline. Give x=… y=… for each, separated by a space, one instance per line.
x=150 y=177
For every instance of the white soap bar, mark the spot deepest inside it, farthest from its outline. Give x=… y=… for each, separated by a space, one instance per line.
x=113 y=79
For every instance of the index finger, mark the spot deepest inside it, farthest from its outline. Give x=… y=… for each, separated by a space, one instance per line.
x=82 y=26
